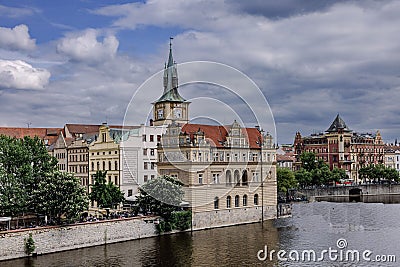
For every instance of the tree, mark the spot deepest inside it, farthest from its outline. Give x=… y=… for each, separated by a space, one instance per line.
x=308 y=161
x=107 y=195
x=162 y=196
x=61 y=194
x=24 y=162
x=286 y=180
x=338 y=174
x=303 y=177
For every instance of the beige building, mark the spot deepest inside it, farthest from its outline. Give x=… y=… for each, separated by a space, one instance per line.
x=228 y=171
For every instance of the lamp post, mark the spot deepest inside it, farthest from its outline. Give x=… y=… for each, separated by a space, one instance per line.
x=260 y=143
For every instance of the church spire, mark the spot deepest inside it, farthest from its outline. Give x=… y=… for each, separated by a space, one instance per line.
x=170 y=80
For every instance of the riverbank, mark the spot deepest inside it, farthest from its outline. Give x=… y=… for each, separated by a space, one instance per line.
x=60 y=238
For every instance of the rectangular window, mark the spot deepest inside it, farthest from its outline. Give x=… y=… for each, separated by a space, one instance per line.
x=152 y=176
x=130 y=193
x=145 y=178
x=158 y=138
x=200 y=176
x=152 y=165
x=151 y=138
x=145 y=165
x=152 y=152
x=144 y=151
x=116 y=180
x=215 y=156
x=144 y=138
x=103 y=137
x=215 y=178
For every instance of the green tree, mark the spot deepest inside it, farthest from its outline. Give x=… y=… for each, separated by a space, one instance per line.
x=338 y=174
x=107 y=195
x=392 y=175
x=61 y=194
x=303 y=177
x=25 y=162
x=308 y=161
x=162 y=196
x=286 y=180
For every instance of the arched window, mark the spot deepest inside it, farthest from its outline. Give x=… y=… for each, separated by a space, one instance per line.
x=98 y=165
x=104 y=165
x=256 y=199
x=236 y=176
x=245 y=200
x=216 y=203
x=236 y=201
x=116 y=165
x=109 y=165
x=92 y=166
x=228 y=202
x=244 y=178
x=228 y=177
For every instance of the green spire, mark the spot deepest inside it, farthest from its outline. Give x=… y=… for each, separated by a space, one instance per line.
x=171 y=80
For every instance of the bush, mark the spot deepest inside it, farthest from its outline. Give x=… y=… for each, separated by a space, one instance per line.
x=179 y=220
x=29 y=245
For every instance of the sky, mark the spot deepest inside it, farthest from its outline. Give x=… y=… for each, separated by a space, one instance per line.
x=82 y=61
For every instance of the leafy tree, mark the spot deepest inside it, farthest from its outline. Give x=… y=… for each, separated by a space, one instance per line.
x=107 y=195
x=24 y=162
x=338 y=174
x=308 y=160
x=392 y=175
x=163 y=197
x=61 y=194
x=303 y=177
x=286 y=179
x=29 y=245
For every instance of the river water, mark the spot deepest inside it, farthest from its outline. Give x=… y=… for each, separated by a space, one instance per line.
x=314 y=227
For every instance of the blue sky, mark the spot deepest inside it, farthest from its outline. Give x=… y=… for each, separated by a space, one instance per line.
x=81 y=61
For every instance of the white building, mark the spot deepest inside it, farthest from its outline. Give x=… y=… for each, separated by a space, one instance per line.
x=139 y=158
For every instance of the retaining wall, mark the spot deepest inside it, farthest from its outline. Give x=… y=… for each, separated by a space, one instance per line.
x=59 y=238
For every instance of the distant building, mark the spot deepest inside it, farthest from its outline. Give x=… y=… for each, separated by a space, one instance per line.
x=342 y=148
x=392 y=156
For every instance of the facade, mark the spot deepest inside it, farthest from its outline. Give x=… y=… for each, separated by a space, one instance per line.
x=392 y=157
x=342 y=148
x=228 y=171
x=139 y=158
x=104 y=155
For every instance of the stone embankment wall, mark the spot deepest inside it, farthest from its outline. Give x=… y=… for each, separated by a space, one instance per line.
x=369 y=189
x=221 y=218
x=59 y=238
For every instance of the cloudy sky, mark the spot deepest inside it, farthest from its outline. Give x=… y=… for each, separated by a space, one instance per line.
x=82 y=61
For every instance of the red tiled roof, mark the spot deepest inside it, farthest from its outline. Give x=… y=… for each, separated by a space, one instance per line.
x=218 y=134
x=50 y=134
x=285 y=157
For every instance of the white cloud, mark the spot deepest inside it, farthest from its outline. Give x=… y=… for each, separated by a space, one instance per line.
x=85 y=47
x=16 y=38
x=16 y=12
x=20 y=75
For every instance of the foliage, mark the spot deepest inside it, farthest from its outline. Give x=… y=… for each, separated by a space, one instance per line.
x=24 y=163
x=30 y=182
x=107 y=195
x=379 y=172
x=286 y=179
x=303 y=177
x=317 y=172
x=29 y=245
x=61 y=194
x=163 y=196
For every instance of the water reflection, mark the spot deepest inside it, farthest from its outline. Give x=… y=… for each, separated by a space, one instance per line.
x=315 y=226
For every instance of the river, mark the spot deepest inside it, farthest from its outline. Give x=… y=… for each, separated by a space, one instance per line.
x=348 y=228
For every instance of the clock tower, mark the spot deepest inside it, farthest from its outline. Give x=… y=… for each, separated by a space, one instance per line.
x=170 y=106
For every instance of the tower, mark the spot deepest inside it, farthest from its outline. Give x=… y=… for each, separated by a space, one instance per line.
x=171 y=106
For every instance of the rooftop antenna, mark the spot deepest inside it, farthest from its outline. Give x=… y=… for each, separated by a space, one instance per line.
x=170 y=42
